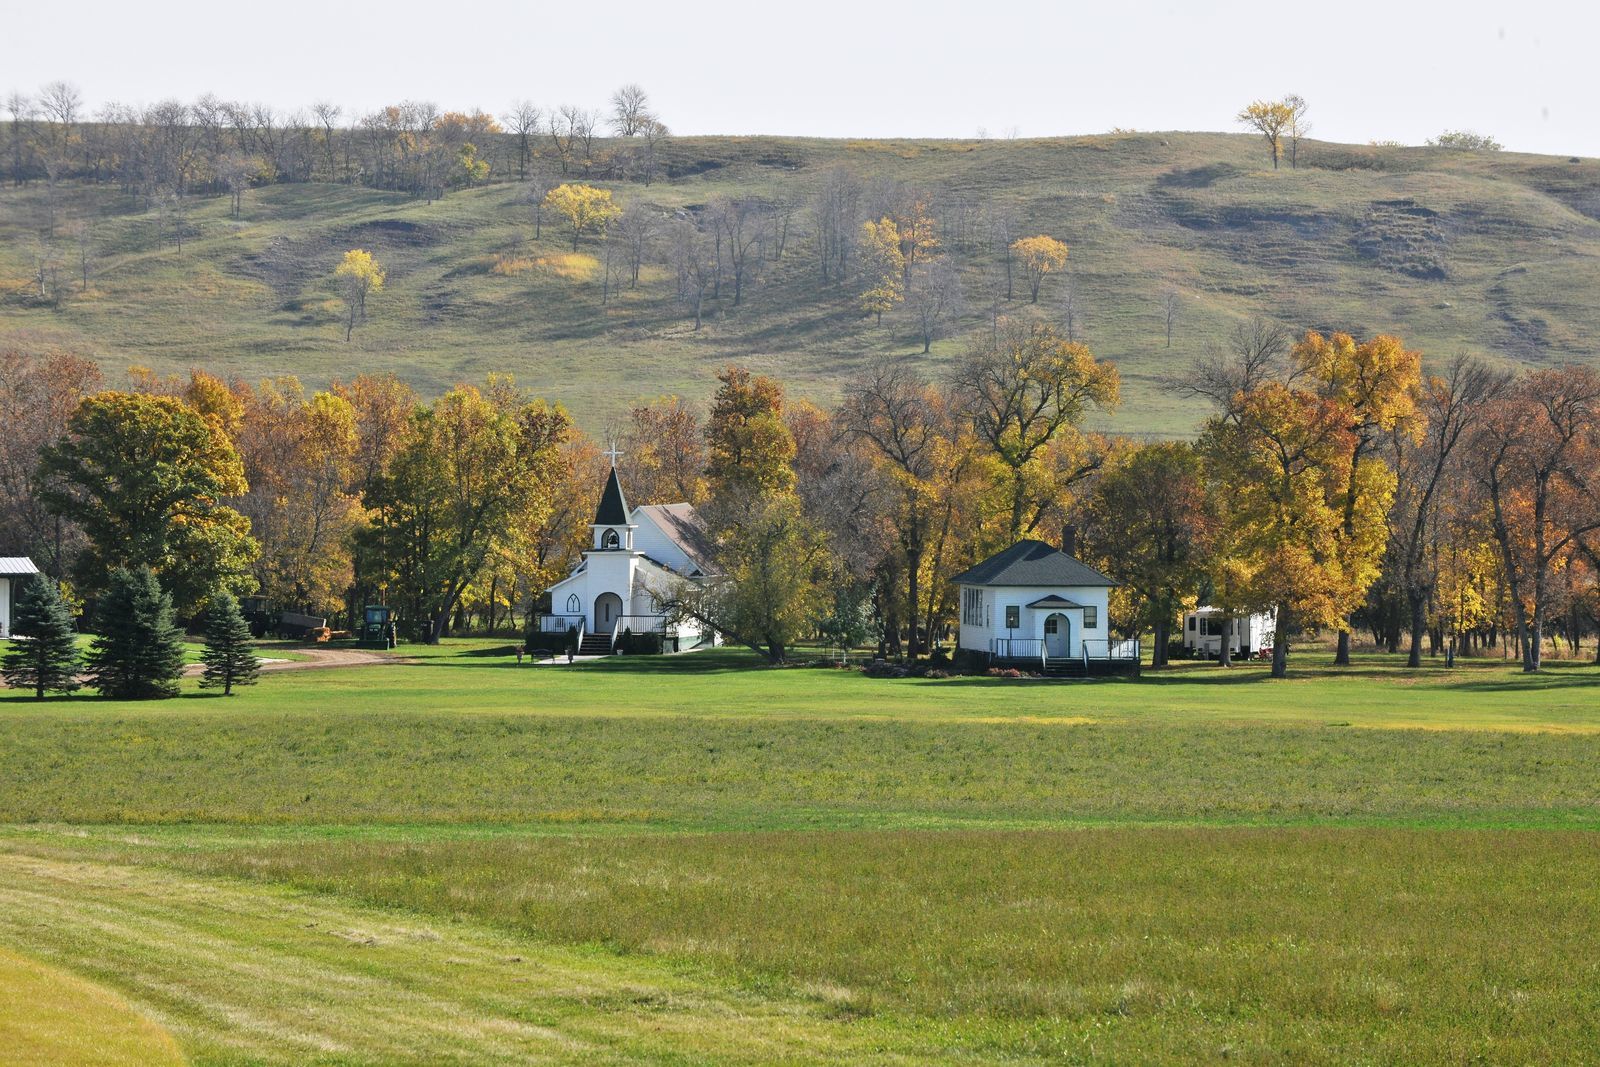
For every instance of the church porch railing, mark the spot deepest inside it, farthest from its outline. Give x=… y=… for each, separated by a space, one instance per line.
x=558 y=624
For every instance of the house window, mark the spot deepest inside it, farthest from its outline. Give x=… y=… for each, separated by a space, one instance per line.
x=1091 y=616
x=574 y=605
x=971 y=606
x=1013 y=616
x=611 y=540
x=1051 y=624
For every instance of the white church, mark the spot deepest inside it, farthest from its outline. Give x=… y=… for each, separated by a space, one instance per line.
x=637 y=558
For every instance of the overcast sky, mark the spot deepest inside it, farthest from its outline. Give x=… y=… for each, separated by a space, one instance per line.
x=1523 y=72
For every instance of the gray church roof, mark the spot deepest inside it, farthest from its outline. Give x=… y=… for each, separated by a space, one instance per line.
x=1031 y=563
x=683 y=526
x=613 y=509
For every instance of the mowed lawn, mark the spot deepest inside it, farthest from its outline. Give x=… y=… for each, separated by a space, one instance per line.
x=694 y=859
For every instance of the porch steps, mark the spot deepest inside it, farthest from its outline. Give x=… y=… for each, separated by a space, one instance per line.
x=1064 y=667
x=595 y=645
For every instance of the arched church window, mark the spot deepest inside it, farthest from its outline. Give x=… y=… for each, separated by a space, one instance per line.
x=574 y=605
x=611 y=540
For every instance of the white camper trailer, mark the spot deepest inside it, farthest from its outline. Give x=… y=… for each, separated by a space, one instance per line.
x=1249 y=636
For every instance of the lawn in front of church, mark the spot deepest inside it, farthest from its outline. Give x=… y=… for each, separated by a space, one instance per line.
x=689 y=852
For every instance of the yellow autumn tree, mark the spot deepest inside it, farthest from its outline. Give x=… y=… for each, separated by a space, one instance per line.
x=357 y=276
x=586 y=208
x=883 y=267
x=918 y=232
x=1270 y=118
x=1379 y=383
x=1039 y=255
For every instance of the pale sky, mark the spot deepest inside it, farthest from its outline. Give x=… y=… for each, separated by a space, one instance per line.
x=1523 y=72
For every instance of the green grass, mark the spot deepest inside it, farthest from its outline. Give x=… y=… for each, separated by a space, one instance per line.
x=696 y=859
x=1513 y=240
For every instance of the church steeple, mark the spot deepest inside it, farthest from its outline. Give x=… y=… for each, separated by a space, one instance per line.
x=613 y=509
x=612 y=526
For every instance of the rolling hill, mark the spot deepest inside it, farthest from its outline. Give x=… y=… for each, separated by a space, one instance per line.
x=1492 y=253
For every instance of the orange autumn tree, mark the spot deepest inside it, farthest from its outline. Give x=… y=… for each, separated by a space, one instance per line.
x=1378 y=383
x=1537 y=458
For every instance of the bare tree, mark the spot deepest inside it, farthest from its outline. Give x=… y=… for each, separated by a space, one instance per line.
x=21 y=108
x=742 y=228
x=694 y=266
x=328 y=118
x=235 y=170
x=1071 y=305
x=1250 y=355
x=524 y=121
x=1002 y=224
x=635 y=231
x=836 y=214
x=646 y=154
x=934 y=298
x=1169 y=310
x=534 y=190
x=630 y=111
x=1298 y=128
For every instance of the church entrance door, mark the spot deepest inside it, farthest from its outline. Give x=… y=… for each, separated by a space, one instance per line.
x=607 y=610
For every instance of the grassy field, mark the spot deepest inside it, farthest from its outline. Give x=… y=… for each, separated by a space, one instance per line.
x=50 y=1018
x=691 y=859
x=1489 y=253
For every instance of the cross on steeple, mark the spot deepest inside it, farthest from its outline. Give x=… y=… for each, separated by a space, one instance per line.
x=613 y=453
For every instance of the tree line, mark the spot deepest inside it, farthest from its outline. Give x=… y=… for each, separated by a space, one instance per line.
x=1335 y=483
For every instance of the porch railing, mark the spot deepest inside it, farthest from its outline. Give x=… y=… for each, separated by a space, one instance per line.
x=1015 y=649
x=558 y=624
x=1114 y=650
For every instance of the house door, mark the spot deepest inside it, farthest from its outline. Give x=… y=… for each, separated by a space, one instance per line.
x=1057 y=631
x=607 y=610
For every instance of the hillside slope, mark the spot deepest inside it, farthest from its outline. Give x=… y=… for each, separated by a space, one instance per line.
x=1497 y=254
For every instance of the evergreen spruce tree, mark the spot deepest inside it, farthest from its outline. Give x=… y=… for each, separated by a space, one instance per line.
x=138 y=654
x=228 y=657
x=49 y=660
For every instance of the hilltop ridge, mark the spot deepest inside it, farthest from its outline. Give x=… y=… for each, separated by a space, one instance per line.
x=1492 y=253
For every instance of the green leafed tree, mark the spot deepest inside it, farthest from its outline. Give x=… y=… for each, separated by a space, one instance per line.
x=47 y=661
x=229 y=658
x=138 y=653
x=144 y=476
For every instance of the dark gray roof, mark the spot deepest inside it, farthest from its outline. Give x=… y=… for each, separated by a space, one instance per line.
x=613 y=509
x=684 y=527
x=1031 y=563
x=1053 y=601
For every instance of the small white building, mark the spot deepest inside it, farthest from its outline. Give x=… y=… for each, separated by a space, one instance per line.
x=637 y=559
x=1249 y=636
x=1036 y=606
x=14 y=570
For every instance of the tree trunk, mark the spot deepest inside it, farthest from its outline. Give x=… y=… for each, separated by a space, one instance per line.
x=1419 y=623
x=1225 y=649
x=1280 y=644
x=913 y=562
x=1158 y=654
x=1341 y=655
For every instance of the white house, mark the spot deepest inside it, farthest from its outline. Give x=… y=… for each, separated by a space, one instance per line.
x=1035 y=606
x=14 y=570
x=1248 y=636
x=636 y=559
